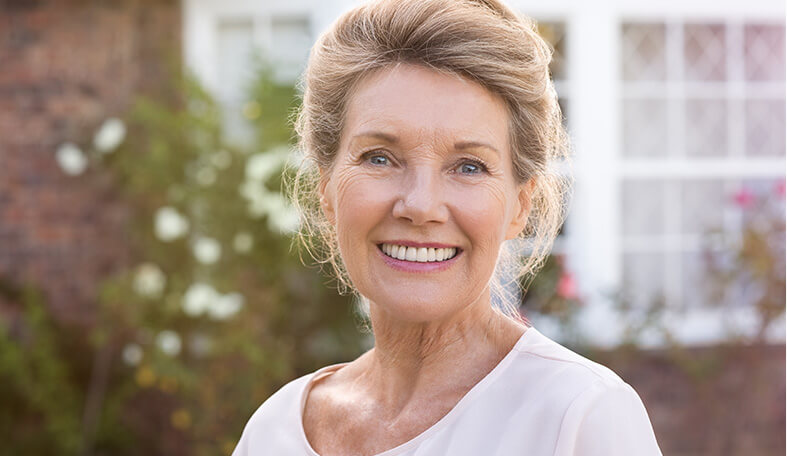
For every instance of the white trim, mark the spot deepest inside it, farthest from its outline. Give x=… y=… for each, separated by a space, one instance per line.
x=648 y=10
x=694 y=168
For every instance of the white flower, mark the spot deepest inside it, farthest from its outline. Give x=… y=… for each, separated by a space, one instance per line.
x=169 y=224
x=262 y=166
x=110 y=135
x=132 y=354
x=168 y=341
x=226 y=306
x=285 y=220
x=206 y=176
x=207 y=250
x=282 y=216
x=221 y=159
x=201 y=298
x=71 y=159
x=243 y=242
x=198 y=298
x=149 y=280
x=256 y=193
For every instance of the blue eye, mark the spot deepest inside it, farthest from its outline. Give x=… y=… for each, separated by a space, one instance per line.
x=377 y=159
x=471 y=168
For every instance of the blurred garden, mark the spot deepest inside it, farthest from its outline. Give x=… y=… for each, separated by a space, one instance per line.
x=206 y=306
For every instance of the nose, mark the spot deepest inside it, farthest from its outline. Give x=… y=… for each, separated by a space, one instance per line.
x=421 y=198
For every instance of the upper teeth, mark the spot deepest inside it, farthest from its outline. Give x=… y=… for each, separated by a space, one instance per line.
x=419 y=254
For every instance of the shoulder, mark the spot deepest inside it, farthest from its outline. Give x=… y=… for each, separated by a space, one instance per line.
x=557 y=368
x=276 y=421
x=285 y=401
x=600 y=414
x=607 y=419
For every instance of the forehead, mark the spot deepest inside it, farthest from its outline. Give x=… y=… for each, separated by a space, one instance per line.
x=415 y=101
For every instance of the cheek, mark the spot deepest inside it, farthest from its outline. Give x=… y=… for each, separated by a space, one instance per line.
x=361 y=203
x=481 y=212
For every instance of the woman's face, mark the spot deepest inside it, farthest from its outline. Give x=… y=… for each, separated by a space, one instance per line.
x=422 y=193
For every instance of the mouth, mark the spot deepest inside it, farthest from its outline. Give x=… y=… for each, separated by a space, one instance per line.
x=419 y=254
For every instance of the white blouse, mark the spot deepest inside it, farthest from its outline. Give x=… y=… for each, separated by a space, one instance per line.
x=542 y=399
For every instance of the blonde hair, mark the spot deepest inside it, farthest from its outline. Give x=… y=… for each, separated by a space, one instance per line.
x=481 y=40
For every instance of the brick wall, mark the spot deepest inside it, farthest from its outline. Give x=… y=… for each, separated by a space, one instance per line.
x=65 y=65
x=714 y=401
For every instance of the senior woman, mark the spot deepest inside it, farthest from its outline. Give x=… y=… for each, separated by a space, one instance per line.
x=432 y=125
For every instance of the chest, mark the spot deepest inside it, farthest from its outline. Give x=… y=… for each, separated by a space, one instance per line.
x=340 y=427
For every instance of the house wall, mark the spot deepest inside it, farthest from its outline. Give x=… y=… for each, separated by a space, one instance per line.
x=633 y=228
x=710 y=401
x=65 y=66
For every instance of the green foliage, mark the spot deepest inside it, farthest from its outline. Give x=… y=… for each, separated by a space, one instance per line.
x=214 y=314
x=41 y=399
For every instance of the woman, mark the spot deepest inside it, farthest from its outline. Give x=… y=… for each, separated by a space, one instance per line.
x=433 y=124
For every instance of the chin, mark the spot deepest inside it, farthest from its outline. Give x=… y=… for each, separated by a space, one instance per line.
x=415 y=308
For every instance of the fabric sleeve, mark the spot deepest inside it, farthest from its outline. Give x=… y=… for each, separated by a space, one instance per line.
x=607 y=420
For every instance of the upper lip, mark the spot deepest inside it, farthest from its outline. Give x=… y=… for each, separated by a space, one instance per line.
x=433 y=245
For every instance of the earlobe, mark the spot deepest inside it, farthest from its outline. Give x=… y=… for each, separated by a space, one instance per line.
x=325 y=198
x=522 y=208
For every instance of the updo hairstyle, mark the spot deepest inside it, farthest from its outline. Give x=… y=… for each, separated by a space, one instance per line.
x=481 y=40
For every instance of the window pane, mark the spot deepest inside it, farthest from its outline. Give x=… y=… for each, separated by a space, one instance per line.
x=645 y=128
x=234 y=60
x=234 y=67
x=704 y=52
x=764 y=52
x=291 y=40
x=702 y=206
x=706 y=127
x=643 y=277
x=762 y=202
x=765 y=132
x=644 y=52
x=643 y=207
x=696 y=284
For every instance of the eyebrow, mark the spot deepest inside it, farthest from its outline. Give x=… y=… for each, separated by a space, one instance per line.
x=393 y=139
x=461 y=145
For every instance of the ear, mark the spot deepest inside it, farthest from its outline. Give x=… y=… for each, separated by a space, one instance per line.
x=326 y=196
x=521 y=208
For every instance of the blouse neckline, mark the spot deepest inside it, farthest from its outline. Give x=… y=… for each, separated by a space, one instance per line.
x=463 y=403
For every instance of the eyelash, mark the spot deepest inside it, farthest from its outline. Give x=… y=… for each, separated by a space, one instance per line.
x=365 y=157
x=482 y=167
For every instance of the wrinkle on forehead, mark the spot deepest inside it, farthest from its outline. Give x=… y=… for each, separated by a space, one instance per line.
x=379 y=103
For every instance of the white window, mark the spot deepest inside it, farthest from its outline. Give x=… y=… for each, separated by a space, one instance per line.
x=674 y=107
x=702 y=115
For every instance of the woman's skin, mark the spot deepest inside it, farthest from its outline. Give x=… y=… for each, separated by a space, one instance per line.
x=424 y=160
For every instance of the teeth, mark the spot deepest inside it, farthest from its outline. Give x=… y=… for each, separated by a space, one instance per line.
x=418 y=255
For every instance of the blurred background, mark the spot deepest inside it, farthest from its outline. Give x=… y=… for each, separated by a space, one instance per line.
x=150 y=298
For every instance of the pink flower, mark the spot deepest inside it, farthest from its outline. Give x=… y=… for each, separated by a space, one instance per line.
x=779 y=188
x=744 y=198
x=567 y=286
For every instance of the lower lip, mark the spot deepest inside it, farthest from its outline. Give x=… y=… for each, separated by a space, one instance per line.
x=414 y=266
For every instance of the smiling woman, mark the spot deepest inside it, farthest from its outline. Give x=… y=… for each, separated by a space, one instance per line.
x=424 y=164
x=432 y=125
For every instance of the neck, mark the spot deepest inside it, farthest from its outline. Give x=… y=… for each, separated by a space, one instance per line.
x=412 y=360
